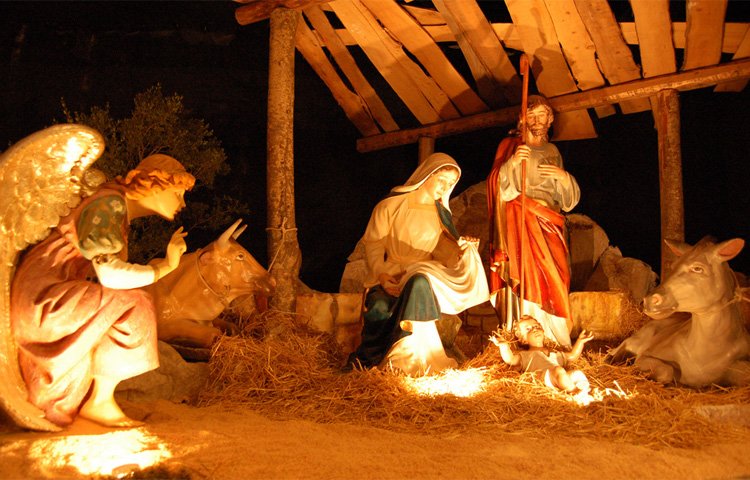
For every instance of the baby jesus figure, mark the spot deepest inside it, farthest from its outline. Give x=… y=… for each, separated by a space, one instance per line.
x=546 y=364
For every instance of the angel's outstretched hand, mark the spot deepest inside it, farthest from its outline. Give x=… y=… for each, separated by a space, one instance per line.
x=176 y=247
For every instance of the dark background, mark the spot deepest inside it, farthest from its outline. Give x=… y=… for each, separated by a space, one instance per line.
x=97 y=53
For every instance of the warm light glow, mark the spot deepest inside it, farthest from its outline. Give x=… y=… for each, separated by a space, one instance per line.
x=461 y=383
x=73 y=151
x=115 y=453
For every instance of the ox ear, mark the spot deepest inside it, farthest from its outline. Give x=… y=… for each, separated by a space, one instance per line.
x=678 y=248
x=729 y=249
x=223 y=240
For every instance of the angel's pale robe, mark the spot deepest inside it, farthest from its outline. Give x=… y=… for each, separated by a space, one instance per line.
x=68 y=327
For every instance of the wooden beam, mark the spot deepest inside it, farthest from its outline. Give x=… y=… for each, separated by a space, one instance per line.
x=614 y=55
x=348 y=66
x=734 y=33
x=578 y=48
x=671 y=198
x=652 y=22
x=704 y=31
x=743 y=51
x=256 y=10
x=548 y=65
x=644 y=88
x=496 y=78
x=351 y=103
x=426 y=51
x=419 y=92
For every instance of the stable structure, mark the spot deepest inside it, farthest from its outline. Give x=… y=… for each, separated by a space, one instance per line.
x=413 y=71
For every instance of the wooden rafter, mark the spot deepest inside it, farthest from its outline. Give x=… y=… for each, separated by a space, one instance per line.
x=256 y=10
x=743 y=51
x=734 y=33
x=349 y=68
x=615 y=59
x=578 y=48
x=496 y=78
x=537 y=32
x=644 y=88
x=411 y=35
x=419 y=92
x=703 y=33
x=351 y=103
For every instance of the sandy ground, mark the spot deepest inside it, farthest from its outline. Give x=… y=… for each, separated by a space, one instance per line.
x=217 y=443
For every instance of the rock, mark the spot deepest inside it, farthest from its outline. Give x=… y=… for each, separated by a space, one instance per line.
x=615 y=273
x=587 y=242
x=175 y=380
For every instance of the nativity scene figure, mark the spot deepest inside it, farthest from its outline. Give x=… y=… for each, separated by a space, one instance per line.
x=548 y=366
x=78 y=321
x=710 y=345
x=190 y=299
x=527 y=228
x=418 y=268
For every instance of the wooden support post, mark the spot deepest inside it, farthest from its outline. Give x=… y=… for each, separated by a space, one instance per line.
x=283 y=247
x=670 y=174
x=426 y=147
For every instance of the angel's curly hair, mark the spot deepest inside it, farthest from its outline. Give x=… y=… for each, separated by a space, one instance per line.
x=155 y=174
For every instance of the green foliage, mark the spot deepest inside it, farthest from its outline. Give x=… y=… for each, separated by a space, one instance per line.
x=160 y=124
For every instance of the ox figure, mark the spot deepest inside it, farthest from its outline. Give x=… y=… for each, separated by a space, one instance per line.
x=711 y=346
x=189 y=300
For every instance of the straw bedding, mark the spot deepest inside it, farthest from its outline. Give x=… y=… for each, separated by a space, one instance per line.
x=290 y=372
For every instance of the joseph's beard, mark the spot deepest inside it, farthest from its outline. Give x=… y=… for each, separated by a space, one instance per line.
x=538 y=133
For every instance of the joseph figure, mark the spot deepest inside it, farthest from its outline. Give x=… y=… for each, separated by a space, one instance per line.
x=539 y=227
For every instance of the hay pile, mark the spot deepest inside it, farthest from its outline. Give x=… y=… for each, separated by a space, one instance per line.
x=294 y=373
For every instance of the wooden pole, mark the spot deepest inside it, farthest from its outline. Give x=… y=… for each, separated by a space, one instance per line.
x=672 y=206
x=283 y=248
x=426 y=147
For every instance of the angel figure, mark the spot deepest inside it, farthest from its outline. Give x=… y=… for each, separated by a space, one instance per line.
x=79 y=321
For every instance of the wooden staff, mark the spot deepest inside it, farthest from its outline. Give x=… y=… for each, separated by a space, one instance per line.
x=524 y=67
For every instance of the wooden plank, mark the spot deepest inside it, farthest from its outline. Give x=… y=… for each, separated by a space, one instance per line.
x=421 y=95
x=539 y=38
x=644 y=88
x=734 y=33
x=578 y=48
x=425 y=16
x=425 y=50
x=349 y=68
x=496 y=78
x=352 y=104
x=743 y=51
x=704 y=32
x=256 y=10
x=652 y=22
x=615 y=59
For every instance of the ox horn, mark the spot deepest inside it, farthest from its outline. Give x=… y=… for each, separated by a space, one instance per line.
x=239 y=232
x=224 y=238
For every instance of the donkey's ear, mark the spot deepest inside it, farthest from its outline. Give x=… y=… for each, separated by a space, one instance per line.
x=678 y=248
x=729 y=249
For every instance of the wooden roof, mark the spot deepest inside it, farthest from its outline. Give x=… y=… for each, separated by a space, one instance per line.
x=402 y=70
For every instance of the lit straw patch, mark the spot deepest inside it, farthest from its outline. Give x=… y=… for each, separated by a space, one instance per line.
x=116 y=453
x=461 y=383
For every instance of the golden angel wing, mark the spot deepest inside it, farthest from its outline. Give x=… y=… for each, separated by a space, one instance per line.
x=40 y=181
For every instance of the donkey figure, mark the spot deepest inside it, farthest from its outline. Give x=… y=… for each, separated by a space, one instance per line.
x=712 y=345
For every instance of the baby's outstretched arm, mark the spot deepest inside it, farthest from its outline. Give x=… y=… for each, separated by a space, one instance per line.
x=505 y=351
x=582 y=339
